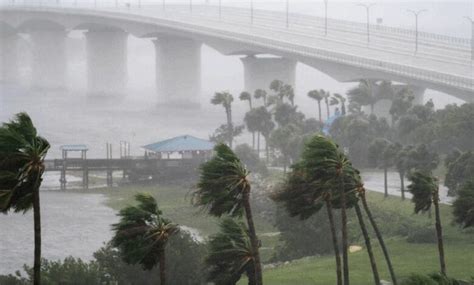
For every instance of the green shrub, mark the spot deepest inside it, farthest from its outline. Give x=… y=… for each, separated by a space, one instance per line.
x=422 y=235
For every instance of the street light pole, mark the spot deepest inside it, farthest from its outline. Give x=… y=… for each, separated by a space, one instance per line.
x=220 y=9
x=472 y=36
x=287 y=14
x=326 y=17
x=367 y=8
x=416 y=14
x=191 y=6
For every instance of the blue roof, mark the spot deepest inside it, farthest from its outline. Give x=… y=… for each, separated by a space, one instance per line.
x=181 y=143
x=73 y=147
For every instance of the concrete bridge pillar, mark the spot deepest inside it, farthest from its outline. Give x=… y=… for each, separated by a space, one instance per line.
x=9 y=69
x=49 y=66
x=178 y=70
x=107 y=70
x=260 y=72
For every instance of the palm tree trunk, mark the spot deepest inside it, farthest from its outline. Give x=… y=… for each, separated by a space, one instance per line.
x=439 y=234
x=229 y=126
x=402 y=185
x=258 y=144
x=368 y=244
x=253 y=238
x=327 y=109
x=337 y=254
x=37 y=230
x=379 y=238
x=267 y=152
x=162 y=267
x=253 y=140
x=385 y=181
x=345 y=246
x=319 y=109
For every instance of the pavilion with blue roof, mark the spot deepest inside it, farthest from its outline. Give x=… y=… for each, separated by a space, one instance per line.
x=180 y=147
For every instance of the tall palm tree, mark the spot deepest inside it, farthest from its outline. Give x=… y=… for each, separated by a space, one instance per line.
x=314 y=94
x=402 y=160
x=323 y=173
x=425 y=190
x=142 y=234
x=361 y=193
x=230 y=254
x=252 y=121
x=342 y=101
x=246 y=96
x=383 y=153
x=22 y=154
x=260 y=93
x=265 y=128
x=326 y=95
x=224 y=189
x=225 y=99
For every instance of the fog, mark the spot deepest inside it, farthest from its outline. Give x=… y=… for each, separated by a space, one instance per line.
x=142 y=115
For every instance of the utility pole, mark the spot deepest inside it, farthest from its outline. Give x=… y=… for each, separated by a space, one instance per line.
x=326 y=17
x=367 y=8
x=416 y=14
x=471 y=20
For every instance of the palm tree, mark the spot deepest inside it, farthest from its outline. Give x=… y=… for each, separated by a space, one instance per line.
x=22 y=154
x=342 y=101
x=142 y=234
x=326 y=95
x=260 y=93
x=402 y=165
x=314 y=94
x=382 y=153
x=230 y=254
x=225 y=99
x=252 y=121
x=224 y=189
x=322 y=175
x=361 y=193
x=245 y=96
x=265 y=127
x=364 y=94
x=425 y=190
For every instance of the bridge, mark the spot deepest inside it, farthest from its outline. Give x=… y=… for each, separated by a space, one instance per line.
x=346 y=51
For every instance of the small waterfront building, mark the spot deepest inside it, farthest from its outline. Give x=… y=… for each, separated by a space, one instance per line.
x=182 y=147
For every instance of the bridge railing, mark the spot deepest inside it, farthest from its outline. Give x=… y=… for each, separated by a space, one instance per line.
x=437 y=77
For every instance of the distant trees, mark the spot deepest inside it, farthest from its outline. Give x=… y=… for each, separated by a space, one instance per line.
x=142 y=234
x=364 y=94
x=425 y=191
x=229 y=131
x=460 y=170
x=463 y=206
x=22 y=154
x=224 y=189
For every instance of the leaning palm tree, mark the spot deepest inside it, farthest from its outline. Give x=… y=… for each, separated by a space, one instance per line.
x=142 y=234
x=326 y=95
x=224 y=189
x=322 y=178
x=361 y=193
x=425 y=190
x=364 y=94
x=314 y=94
x=225 y=99
x=230 y=254
x=22 y=154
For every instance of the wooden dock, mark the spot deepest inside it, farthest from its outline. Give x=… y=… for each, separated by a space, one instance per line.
x=133 y=169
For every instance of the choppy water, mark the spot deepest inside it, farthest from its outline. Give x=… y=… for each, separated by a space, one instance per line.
x=72 y=224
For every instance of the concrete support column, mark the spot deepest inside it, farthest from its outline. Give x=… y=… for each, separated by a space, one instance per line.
x=260 y=72
x=9 y=69
x=107 y=70
x=178 y=70
x=49 y=66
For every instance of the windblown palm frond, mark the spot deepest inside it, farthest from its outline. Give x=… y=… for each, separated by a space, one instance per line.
x=222 y=182
x=22 y=153
x=142 y=232
x=422 y=187
x=230 y=254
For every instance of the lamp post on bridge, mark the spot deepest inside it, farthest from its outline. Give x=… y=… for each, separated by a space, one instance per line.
x=251 y=12
x=367 y=8
x=287 y=14
x=471 y=20
x=416 y=14
x=220 y=10
x=191 y=6
x=326 y=17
